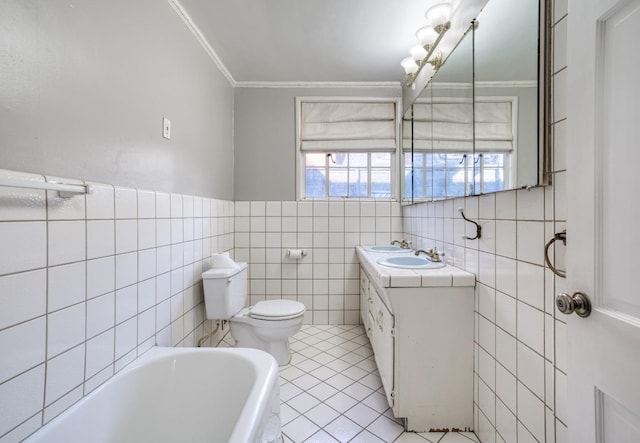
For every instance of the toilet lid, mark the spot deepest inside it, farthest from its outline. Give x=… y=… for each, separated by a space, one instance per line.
x=276 y=309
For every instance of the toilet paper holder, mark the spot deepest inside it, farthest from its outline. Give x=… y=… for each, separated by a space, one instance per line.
x=296 y=253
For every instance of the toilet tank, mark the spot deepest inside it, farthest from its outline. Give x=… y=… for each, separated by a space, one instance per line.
x=225 y=291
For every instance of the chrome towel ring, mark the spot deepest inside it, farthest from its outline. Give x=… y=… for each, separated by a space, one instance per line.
x=557 y=236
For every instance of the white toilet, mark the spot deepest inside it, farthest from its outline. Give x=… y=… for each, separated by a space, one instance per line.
x=266 y=326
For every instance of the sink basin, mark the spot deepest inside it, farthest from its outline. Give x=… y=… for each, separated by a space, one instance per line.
x=384 y=248
x=410 y=262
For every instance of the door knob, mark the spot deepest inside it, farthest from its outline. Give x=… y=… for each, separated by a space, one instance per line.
x=578 y=303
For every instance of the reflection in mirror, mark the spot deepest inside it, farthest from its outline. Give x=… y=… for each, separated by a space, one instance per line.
x=442 y=130
x=479 y=125
x=506 y=96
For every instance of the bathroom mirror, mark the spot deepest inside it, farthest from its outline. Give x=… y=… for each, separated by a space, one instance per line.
x=440 y=163
x=492 y=77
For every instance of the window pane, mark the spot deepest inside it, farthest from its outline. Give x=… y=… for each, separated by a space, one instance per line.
x=455 y=160
x=439 y=159
x=358 y=160
x=455 y=183
x=340 y=159
x=315 y=159
x=493 y=180
x=358 y=180
x=408 y=162
x=315 y=183
x=493 y=159
x=380 y=159
x=338 y=179
x=418 y=159
x=380 y=182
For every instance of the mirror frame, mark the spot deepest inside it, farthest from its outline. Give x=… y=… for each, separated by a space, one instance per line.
x=545 y=135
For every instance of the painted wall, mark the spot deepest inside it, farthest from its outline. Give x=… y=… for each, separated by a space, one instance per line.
x=85 y=86
x=265 y=138
x=520 y=371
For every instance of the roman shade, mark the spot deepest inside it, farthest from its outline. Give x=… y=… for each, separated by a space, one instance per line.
x=448 y=127
x=347 y=127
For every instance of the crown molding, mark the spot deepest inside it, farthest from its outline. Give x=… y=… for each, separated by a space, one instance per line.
x=508 y=84
x=177 y=7
x=486 y=84
x=288 y=84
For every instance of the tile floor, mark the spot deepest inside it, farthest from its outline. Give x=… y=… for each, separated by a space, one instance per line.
x=331 y=392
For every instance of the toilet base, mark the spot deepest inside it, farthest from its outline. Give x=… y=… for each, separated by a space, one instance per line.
x=267 y=335
x=278 y=349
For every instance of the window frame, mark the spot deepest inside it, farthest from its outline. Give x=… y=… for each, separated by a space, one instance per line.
x=300 y=155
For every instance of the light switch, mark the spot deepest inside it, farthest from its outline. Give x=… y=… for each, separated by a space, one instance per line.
x=166 y=128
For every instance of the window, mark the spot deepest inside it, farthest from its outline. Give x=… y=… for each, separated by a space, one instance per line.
x=443 y=134
x=443 y=175
x=346 y=149
x=343 y=174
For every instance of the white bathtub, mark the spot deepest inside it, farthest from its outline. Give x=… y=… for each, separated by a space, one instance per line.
x=179 y=395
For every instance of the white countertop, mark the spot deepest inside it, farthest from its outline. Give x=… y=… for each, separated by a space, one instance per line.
x=389 y=277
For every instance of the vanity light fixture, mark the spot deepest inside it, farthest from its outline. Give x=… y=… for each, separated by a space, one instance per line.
x=429 y=37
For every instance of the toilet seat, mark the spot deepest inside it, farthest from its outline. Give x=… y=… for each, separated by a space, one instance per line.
x=276 y=310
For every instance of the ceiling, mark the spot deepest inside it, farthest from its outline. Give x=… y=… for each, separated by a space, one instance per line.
x=310 y=40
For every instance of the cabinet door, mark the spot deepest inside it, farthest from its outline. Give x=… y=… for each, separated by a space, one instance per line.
x=364 y=302
x=383 y=342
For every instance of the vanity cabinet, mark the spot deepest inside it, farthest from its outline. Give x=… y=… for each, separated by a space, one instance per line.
x=422 y=339
x=381 y=323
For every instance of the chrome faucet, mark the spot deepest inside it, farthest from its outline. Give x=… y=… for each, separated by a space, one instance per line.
x=433 y=254
x=403 y=243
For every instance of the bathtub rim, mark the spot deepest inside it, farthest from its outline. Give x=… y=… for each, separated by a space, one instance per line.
x=255 y=406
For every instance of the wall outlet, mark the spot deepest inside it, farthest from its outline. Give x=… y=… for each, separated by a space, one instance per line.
x=166 y=128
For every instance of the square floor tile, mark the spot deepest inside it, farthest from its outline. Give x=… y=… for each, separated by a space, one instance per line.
x=355 y=373
x=322 y=415
x=306 y=382
x=308 y=365
x=411 y=437
x=362 y=414
x=341 y=402
x=303 y=402
x=343 y=429
x=377 y=401
x=323 y=358
x=287 y=413
x=323 y=372
x=339 y=381
x=300 y=429
x=288 y=391
x=367 y=437
x=322 y=391
x=358 y=391
x=387 y=430
x=459 y=437
x=371 y=381
x=291 y=373
x=339 y=365
x=320 y=437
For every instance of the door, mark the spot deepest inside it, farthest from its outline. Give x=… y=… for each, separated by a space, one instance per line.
x=603 y=225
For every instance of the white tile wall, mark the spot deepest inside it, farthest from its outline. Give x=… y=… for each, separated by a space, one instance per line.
x=326 y=279
x=86 y=286
x=520 y=357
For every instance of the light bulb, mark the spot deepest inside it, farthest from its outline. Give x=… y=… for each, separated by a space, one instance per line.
x=438 y=15
x=418 y=53
x=409 y=65
x=426 y=35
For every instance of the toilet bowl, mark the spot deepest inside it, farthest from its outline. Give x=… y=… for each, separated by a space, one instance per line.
x=270 y=333
x=266 y=326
